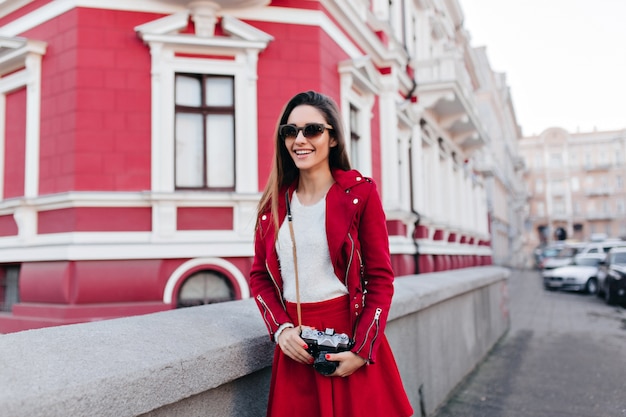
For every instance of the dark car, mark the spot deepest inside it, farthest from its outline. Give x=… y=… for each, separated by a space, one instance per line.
x=612 y=276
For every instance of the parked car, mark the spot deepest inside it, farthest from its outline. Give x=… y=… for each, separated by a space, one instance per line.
x=612 y=277
x=581 y=276
x=600 y=249
x=544 y=252
x=565 y=256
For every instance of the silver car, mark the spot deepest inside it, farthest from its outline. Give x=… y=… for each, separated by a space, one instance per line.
x=581 y=276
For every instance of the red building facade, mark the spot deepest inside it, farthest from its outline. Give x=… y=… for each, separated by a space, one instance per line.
x=136 y=139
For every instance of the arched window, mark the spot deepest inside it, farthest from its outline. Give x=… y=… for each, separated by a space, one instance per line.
x=205 y=287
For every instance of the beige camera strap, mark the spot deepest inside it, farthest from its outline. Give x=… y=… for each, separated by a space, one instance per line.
x=295 y=260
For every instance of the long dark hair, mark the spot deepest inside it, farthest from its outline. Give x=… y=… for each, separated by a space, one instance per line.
x=284 y=171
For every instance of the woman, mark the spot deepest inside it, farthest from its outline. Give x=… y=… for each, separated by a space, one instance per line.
x=326 y=265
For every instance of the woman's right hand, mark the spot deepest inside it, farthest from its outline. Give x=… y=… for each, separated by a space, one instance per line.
x=293 y=346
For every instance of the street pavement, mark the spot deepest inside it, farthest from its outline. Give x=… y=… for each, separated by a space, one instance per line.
x=564 y=356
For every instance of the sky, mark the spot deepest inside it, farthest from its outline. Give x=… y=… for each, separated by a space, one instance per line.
x=565 y=60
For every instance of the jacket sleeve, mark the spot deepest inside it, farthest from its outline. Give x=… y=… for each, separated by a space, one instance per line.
x=377 y=278
x=264 y=287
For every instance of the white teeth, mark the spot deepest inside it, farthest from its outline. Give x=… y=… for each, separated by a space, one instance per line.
x=303 y=152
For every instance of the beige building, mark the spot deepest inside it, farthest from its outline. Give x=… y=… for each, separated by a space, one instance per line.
x=576 y=185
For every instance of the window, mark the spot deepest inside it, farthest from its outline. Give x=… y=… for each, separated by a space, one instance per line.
x=541 y=211
x=21 y=67
x=204 y=105
x=355 y=136
x=538 y=185
x=619 y=182
x=556 y=160
x=558 y=206
x=575 y=183
x=619 y=205
x=605 y=207
x=604 y=181
x=205 y=132
x=604 y=158
x=9 y=288
x=558 y=186
x=577 y=208
x=205 y=287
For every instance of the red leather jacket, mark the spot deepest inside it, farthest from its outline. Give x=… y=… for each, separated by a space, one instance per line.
x=359 y=249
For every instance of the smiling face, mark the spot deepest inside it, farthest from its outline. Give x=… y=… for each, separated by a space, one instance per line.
x=309 y=154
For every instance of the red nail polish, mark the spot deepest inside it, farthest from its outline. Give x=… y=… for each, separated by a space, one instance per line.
x=327 y=356
x=305 y=346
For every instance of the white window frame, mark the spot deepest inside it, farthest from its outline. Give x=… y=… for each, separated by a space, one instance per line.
x=20 y=67
x=363 y=108
x=176 y=53
x=359 y=88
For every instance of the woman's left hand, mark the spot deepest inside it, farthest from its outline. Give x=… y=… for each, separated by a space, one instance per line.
x=349 y=362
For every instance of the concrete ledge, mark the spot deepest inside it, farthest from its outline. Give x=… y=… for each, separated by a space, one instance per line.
x=129 y=366
x=214 y=360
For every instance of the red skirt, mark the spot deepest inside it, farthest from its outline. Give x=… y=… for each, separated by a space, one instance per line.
x=299 y=390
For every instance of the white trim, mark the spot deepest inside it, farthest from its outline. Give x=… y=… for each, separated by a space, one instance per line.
x=9 y=6
x=364 y=102
x=26 y=54
x=165 y=65
x=33 y=111
x=13 y=82
x=168 y=292
x=292 y=16
x=165 y=25
x=88 y=246
x=58 y=7
x=267 y=14
x=2 y=138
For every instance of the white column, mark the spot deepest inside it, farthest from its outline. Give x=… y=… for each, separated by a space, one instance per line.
x=389 y=145
x=247 y=131
x=2 y=140
x=418 y=159
x=33 y=106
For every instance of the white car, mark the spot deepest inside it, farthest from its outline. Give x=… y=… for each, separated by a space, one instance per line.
x=582 y=276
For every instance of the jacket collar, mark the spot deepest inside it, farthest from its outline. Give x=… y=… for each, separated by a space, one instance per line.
x=347 y=179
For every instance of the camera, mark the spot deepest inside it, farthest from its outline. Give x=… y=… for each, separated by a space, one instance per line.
x=320 y=343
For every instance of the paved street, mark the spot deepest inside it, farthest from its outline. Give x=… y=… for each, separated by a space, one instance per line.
x=564 y=356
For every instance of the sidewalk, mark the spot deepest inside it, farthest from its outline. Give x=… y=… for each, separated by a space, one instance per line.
x=564 y=356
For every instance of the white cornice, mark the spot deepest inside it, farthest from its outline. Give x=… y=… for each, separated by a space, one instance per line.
x=292 y=16
x=9 y=6
x=58 y=7
x=165 y=25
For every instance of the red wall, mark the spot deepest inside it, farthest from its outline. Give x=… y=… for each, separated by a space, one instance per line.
x=96 y=102
x=93 y=219
x=299 y=58
x=205 y=218
x=8 y=227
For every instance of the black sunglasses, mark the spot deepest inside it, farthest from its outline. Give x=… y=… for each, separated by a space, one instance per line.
x=309 y=130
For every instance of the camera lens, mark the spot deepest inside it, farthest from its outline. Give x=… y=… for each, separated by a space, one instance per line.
x=324 y=366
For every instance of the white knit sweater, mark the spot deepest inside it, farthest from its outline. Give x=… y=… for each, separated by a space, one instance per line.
x=315 y=271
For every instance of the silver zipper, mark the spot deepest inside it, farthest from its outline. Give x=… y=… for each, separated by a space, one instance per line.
x=280 y=297
x=266 y=310
x=374 y=322
x=345 y=280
